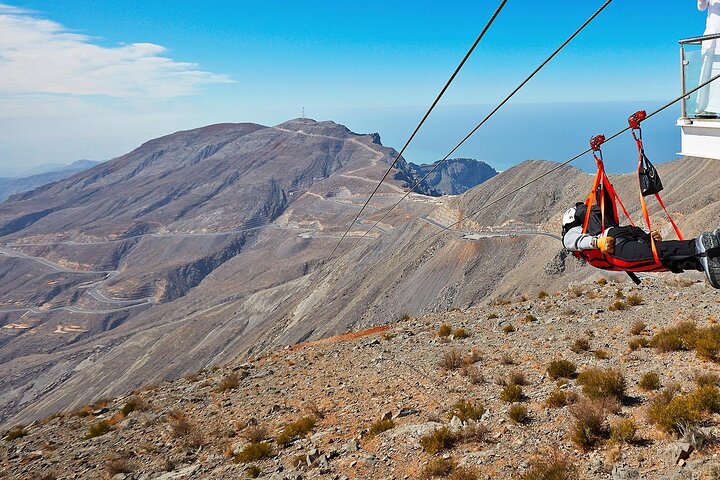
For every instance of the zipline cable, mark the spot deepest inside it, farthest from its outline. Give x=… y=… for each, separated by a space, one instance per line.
x=558 y=167
x=493 y=112
x=427 y=114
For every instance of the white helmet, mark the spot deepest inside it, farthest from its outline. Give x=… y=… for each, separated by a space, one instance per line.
x=568 y=216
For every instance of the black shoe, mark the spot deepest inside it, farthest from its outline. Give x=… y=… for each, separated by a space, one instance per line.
x=711 y=265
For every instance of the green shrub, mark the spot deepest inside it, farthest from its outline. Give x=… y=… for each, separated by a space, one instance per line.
x=295 y=430
x=98 y=429
x=518 y=413
x=439 y=440
x=254 y=452
x=561 y=369
x=623 y=431
x=673 y=415
x=511 y=393
x=466 y=410
x=649 y=381
x=380 y=426
x=444 y=331
x=598 y=383
x=580 y=345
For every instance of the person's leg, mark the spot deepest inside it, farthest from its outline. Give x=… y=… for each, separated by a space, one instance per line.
x=632 y=244
x=679 y=254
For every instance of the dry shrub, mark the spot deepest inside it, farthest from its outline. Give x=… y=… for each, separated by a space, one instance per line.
x=623 y=431
x=602 y=383
x=649 y=381
x=529 y=318
x=314 y=409
x=679 y=337
x=707 y=343
x=295 y=429
x=634 y=300
x=639 y=342
x=133 y=404
x=473 y=374
x=253 y=471
x=464 y=473
x=229 y=382
x=179 y=423
x=561 y=369
x=15 y=433
x=473 y=357
x=511 y=393
x=118 y=465
x=444 y=331
x=601 y=281
x=97 y=429
x=451 y=360
x=475 y=432
x=557 y=399
x=508 y=328
x=552 y=466
x=506 y=359
x=580 y=345
x=589 y=428
x=255 y=433
x=254 y=452
x=543 y=294
x=577 y=291
x=702 y=379
x=440 y=440
x=518 y=413
x=438 y=467
x=493 y=316
x=380 y=426
x=673 y=413
x=601 y=354
x=466 y=410
x=617 y=306
x=460 y=333
x=637 y=327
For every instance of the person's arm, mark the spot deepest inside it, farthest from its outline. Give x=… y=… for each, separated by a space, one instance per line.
x=702 y=5
x=575 y=240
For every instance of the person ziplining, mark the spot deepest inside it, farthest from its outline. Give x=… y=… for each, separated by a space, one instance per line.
x=592 y=230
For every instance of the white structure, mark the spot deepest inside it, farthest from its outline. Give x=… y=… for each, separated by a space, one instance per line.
x=700 y=118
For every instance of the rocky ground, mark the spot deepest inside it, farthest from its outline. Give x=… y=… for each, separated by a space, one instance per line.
x=231 y=422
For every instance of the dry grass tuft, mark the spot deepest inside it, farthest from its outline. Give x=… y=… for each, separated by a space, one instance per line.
x=637 y=327
x=509 y=328
x=440 y=440
x=649 y=381
x=598 y=383
x=466 y=410
x=445 y=331
x=623 y=431
x=254 y=452
x=380 y=426
x=561 y=369
x=518 y=413
x=550 y=467
x=229 y=382
x=588 y=428
x=511 y=393
x=580 y=345
x=451 y=360
x=295 y=429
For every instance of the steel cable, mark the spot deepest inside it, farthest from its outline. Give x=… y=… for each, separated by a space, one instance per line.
x=427 y=114
x=493 y=112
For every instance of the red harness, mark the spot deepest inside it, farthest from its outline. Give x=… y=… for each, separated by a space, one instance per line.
x=603 y=185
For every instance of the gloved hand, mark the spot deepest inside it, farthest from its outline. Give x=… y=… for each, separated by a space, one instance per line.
x=606 y=245
x=656 y=236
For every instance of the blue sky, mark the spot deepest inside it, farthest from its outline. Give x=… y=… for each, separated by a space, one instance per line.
x=133 y=70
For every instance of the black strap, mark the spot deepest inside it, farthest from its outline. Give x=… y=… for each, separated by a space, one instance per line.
x=634 y=278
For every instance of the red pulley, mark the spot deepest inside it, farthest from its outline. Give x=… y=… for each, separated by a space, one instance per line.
x=636 y=118
x=596 y=141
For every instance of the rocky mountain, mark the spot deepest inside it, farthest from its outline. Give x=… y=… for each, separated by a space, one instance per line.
x=11 y=186
x=453 y=177
x=210 y=245
x=580 y=382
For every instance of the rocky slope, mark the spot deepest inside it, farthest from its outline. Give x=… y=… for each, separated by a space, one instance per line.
x=453 y=177
x=94 y=308
x=11 y=186
x=232 y=421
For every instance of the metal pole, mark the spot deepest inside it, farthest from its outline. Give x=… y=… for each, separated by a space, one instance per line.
x=683 y=103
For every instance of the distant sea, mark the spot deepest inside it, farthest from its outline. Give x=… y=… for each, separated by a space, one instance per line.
x=522 y=132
